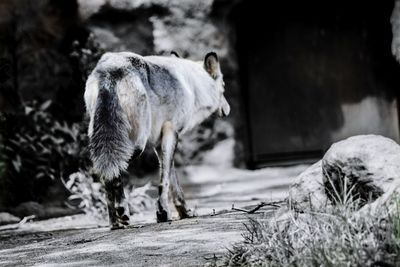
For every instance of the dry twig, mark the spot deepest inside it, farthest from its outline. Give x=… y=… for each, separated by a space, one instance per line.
x=259 y=206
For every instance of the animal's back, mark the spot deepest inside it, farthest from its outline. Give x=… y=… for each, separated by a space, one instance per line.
x=155 y=89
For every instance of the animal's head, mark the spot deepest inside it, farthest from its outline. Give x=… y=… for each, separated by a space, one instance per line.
x=211 y=65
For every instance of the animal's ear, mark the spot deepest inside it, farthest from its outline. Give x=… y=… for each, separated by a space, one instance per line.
x=211 y=64
x=174 y=54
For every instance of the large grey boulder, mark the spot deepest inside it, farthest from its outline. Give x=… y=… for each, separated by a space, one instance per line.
x=368 y=164
x=307 y=191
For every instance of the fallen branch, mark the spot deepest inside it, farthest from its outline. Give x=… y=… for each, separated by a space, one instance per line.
x=259 y=206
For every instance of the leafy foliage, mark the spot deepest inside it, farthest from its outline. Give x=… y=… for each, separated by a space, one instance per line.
x=40 y=149
x=86 y=194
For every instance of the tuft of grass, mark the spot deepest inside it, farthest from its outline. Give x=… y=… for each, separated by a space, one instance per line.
x=334 y=237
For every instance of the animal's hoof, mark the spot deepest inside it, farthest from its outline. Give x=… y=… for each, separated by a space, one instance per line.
x=162 y=216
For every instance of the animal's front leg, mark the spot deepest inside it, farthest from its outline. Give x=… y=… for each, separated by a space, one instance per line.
x=168 y=143
x=178 y=197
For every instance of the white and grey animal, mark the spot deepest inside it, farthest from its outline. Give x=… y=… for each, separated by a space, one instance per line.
x=136 y=101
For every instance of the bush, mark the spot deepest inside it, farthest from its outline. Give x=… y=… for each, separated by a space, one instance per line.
x=38 y=151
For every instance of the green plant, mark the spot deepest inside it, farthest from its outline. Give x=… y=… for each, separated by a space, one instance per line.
x=39 y=150
x=86 y=194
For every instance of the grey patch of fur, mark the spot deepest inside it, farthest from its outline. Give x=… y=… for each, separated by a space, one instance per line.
x=109 y=144
x=163 y=84
x=155 y=78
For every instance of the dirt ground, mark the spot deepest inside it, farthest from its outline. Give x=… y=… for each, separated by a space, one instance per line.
x=80 y=240
x=190 y=242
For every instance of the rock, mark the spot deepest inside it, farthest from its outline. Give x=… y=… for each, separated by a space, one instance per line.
x=368 y=164
x=308 y=190
x=7 y=218
x=388 y=203
x=371 y=164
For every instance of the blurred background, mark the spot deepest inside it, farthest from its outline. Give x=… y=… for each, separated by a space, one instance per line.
x=299 y=76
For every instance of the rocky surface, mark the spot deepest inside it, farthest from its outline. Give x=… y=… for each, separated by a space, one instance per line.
x=388 y=202
x=371 y=163
x=368 y=165
x=307 y=190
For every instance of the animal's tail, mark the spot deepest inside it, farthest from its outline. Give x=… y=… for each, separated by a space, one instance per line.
x=109 y=142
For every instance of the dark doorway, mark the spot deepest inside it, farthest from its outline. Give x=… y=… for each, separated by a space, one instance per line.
x=314 y=72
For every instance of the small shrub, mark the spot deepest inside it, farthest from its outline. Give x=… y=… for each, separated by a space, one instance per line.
x=39 y=150
x=87 y=194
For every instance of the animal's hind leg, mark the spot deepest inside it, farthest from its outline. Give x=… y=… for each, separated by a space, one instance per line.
x=178 y=196
x=110 y=195
x=117 y=206
x=121 y=205
x=165 y=155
